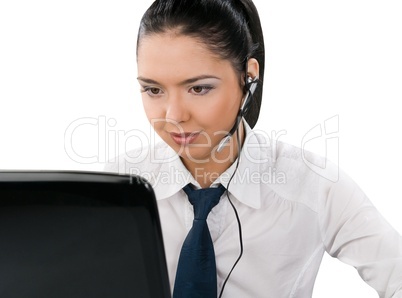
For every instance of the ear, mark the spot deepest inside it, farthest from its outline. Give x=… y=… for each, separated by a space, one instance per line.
x=253 y=68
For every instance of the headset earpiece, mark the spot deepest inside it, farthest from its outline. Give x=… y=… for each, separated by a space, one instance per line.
x=251 y=86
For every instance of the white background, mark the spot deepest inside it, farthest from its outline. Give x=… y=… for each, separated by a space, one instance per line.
x=61 y=61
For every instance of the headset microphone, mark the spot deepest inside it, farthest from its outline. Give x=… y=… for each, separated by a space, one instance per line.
x=246 y=104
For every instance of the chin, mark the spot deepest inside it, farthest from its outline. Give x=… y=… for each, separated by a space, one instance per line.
x=195 y=156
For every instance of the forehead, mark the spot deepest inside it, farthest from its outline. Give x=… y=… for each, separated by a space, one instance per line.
x=169 y=53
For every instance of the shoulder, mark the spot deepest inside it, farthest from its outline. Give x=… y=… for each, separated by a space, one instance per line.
x=305 y=177
x=139 y=160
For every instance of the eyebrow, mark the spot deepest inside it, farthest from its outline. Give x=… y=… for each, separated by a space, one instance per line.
x=185 y=82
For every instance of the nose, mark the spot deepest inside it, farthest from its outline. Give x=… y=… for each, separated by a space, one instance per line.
x=177 y=110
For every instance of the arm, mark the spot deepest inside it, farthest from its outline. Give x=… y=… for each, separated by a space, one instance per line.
x=354 y=232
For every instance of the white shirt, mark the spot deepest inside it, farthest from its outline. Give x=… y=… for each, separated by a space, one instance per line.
x=293 y=206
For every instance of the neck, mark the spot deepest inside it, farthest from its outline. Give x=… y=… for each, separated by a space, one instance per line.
x=205 y=173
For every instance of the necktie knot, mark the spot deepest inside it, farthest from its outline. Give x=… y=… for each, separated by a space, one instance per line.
x=203 y=200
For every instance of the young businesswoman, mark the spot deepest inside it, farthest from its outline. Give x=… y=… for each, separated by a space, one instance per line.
x=201 y=72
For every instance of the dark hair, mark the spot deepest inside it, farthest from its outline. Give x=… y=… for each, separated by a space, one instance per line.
x=229 y=28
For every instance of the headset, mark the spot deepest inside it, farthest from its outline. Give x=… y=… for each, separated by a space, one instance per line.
x=252 y=85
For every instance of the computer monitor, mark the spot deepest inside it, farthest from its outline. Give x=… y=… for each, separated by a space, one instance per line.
x=79 y=234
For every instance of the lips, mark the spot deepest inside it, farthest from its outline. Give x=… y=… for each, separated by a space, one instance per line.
x=184 y=138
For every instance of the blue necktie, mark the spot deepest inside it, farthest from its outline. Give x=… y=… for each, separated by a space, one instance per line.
x=196 y=270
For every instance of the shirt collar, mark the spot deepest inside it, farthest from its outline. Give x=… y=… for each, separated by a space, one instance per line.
x=172 y=175
x=245 y=185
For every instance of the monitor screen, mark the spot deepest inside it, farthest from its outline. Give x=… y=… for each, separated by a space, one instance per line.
x=79 y=234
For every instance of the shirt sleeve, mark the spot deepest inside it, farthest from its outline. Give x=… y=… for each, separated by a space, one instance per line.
x=355 y=232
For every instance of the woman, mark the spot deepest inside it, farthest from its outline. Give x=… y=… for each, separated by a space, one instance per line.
x=201 y=67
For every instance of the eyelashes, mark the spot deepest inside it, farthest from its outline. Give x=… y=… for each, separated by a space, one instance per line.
x=197 y=90
x=201 y=90
x=151 y=91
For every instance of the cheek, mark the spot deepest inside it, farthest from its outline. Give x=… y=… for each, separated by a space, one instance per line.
x=220 y=114
x=152 y=110
x=155 y=113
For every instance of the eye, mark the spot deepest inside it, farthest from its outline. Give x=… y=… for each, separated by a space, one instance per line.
x=152 y=91
x=200 y=90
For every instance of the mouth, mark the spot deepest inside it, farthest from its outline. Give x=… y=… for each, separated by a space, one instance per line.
x=184 y=138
